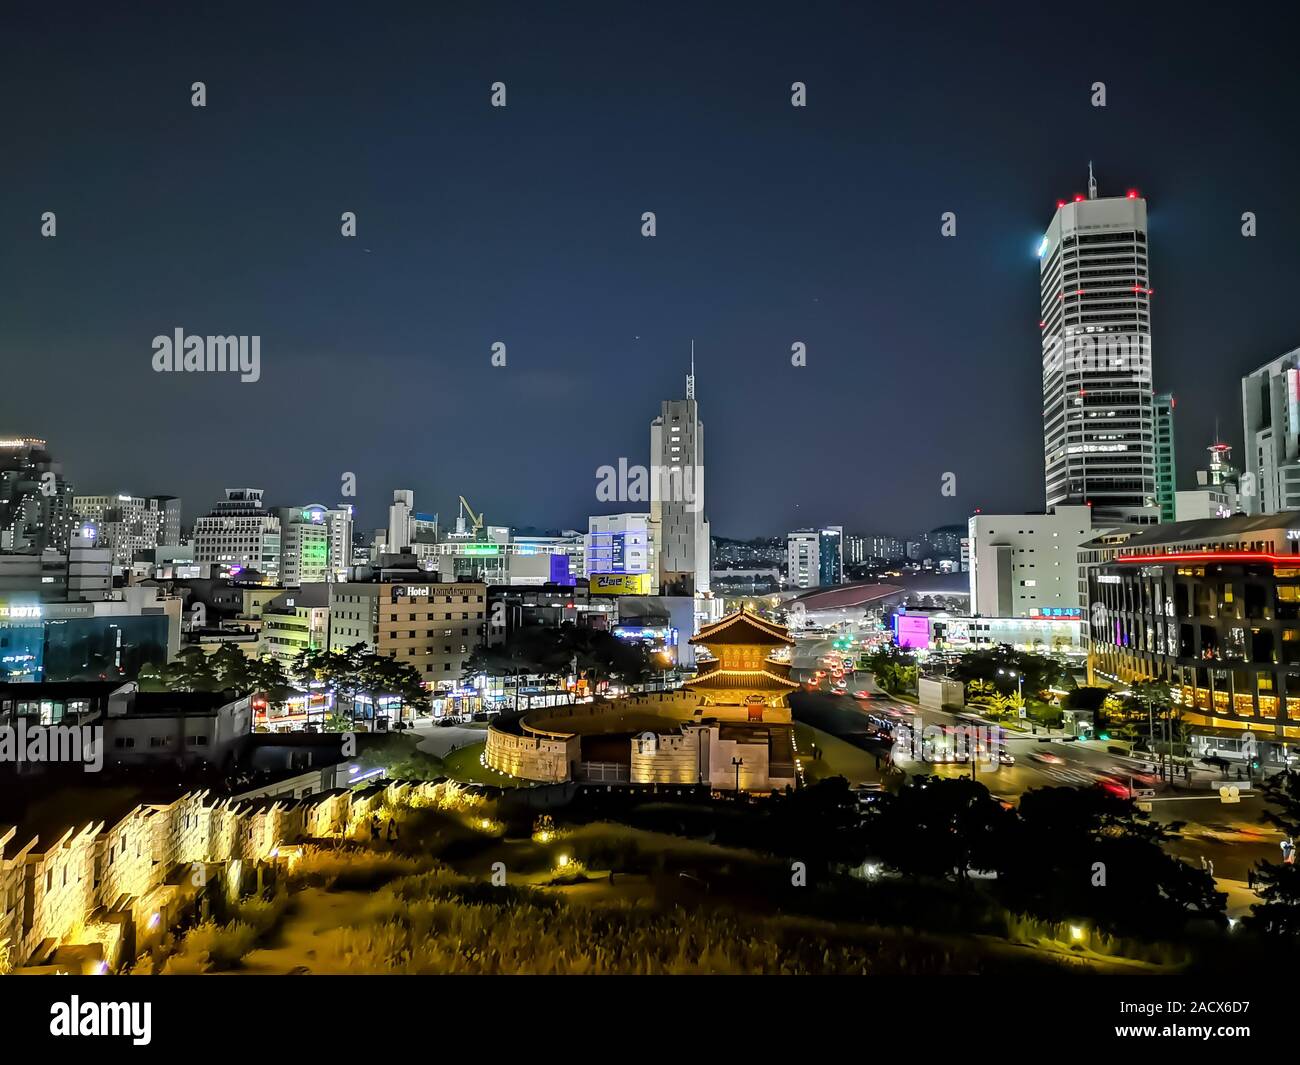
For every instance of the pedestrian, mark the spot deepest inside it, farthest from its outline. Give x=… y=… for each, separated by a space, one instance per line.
x=1202 y=863
x=374 y=827
x=1250 y=878
x=1211 y=864
x=392 y=829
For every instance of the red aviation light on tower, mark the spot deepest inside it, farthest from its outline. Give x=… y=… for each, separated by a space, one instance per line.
x=1132 y=194
x=1060 y=204
x=1078 y=197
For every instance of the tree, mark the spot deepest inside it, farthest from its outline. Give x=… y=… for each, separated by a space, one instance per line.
x=1084 y=853
x=894 y=669
x=1005 y=668
x=553 y=652
x=358 y=670
x=1278 y=883
x=936 y=826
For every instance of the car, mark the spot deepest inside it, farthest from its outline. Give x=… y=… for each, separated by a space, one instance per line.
x=1115 y=787
x=1005 y=757
x=862 y=695
x=961 y=757
x=1047 y=758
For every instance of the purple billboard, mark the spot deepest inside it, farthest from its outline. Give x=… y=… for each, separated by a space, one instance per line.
x=912 y=631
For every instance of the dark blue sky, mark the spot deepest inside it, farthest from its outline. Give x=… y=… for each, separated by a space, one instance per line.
x=522 y=225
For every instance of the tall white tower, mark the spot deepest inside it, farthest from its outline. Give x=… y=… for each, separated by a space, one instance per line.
x=1098 y=420
x=399 y=520
x=677 y=493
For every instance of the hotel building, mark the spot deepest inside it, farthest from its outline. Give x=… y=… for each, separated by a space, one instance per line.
x=420 y=622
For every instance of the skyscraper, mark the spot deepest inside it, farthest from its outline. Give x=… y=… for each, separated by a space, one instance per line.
x=677 y=494
x=1270 y=415
x=35 y=500
x=1098 y=414
x=1166 y=466
x=831 y=550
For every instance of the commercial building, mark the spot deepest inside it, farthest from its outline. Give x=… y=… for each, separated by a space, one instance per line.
x=1213 y=608
x=1270 y=414
x=35 y=501
x=1024 y=564
x=83 y=572
x=803 y=559
x=305 y=542
x=193 y=729
x=239 y=533
x=1166 y=465
x=340 y=524
x=523 y=560
x=1098 y=412
x=622 y=543
x=512 y=607
x=1064 y=633
x=295 y=621
x=87 y=641
x=677 y=494
x=130 y=526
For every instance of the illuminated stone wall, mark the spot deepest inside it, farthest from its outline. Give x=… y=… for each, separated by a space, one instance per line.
x=667 y=759
x=89 y=883
x=541 y=756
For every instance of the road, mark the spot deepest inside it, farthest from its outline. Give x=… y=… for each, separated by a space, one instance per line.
x=1234 y=837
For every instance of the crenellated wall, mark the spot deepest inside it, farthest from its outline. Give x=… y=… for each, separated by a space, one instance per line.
x=122 y=885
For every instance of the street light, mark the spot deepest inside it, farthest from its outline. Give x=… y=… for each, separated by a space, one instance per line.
x=738 y=762
x=1020 y=682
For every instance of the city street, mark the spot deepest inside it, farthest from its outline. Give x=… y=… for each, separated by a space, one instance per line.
x=1232 y=836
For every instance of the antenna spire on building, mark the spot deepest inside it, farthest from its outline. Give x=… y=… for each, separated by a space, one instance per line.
x=1092 y=183
x=690 y=377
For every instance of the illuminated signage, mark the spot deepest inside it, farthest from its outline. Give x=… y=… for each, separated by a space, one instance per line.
x=662 y=634
x=912 y=631
x=18 y=610
x=401 y=591
x=480 y=549
x=619 y=584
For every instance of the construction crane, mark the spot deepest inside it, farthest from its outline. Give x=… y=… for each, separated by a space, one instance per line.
x=476 y=520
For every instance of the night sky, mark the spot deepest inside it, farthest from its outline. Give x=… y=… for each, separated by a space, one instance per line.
x=522 y=225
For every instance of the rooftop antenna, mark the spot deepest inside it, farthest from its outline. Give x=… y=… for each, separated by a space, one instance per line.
x=1092 y=183
x=690 y=377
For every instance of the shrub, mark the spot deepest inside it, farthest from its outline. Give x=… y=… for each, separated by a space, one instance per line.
x=210 y=946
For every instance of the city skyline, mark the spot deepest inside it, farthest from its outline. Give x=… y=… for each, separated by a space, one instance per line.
x=916 y=344
x=362 y=609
